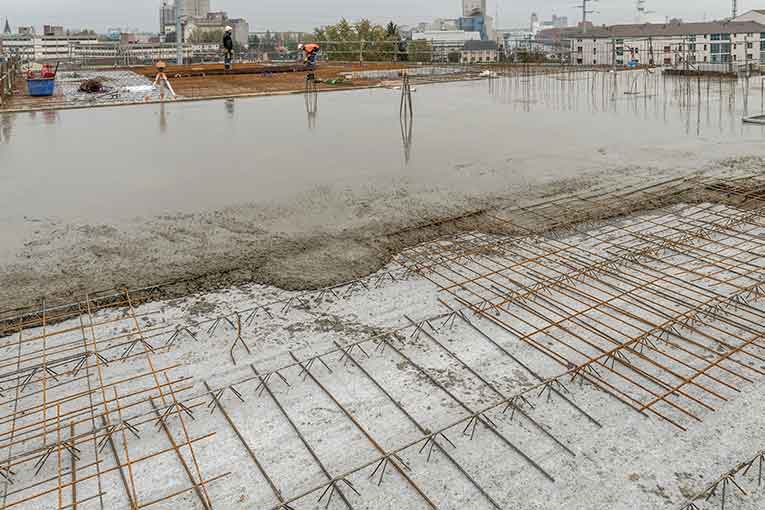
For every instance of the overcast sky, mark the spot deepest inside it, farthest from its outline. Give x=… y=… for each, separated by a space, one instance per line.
x=306 y=14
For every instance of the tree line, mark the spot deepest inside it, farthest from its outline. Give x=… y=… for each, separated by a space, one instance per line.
x=370 y=42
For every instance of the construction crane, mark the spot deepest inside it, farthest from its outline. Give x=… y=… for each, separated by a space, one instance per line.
x=734 y=9
x=642 y=11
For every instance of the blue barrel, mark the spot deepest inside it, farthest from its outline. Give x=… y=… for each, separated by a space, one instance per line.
x=41 y=87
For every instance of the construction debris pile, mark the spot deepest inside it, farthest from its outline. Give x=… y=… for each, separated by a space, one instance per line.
x=92 y=86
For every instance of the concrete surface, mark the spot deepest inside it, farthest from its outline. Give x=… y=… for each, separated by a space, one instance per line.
x=245 y=190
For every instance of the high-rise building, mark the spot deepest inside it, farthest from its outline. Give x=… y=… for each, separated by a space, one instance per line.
x=473 y=8
x=166 y=16
x=7 y=29
x=53 y=30
x=559 y=21
x=194 y=8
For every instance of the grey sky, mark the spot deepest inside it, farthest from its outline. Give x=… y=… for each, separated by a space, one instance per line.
x=306 y=14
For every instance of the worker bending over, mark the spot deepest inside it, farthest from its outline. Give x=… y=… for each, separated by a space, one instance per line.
x=228 y=48
x=311 y=52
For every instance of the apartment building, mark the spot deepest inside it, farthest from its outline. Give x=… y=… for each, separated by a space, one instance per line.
x=89 y=48
x=719 y=45
x=480 y=52
x=445 y=42
x=44 y=48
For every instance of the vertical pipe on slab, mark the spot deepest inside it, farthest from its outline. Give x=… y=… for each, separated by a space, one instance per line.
x=178 y=35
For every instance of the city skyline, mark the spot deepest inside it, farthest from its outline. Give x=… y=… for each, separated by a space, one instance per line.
x=304 y=15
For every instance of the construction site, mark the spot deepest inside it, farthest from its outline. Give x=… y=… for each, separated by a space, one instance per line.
x=445 y=287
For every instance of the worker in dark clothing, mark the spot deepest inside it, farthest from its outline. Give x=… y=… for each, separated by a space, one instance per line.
x=228 y=48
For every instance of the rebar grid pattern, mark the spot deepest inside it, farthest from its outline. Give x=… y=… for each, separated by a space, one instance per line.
x=661 y=311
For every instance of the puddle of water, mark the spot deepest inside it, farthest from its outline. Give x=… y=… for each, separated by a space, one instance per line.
x=471 y=139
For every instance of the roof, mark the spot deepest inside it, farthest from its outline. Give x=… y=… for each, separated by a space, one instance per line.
x=658 y=30
x=446 y=36
x=480 y=45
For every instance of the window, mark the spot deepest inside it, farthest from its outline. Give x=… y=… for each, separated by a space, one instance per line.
x=715 y=48
x=579 y=61
x=749 y=45
x=667 y=49
x=667 y=61
x=579 y=49
x=749 y=57
x=715 y=37
x=594 y=51
x=692 y=47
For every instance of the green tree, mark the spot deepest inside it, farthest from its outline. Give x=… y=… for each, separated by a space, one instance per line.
x=454 y=57
x=353 y=41
x=391 y=31
x=420 y=51
x=269 y=42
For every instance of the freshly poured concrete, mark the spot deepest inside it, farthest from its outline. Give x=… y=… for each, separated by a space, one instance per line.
x=133 y=196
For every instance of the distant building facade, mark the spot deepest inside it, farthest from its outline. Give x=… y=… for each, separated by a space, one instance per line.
x=166 y=17
x=53 y=30
x=88 y=48
x=471 y=8
x=719 y=45
x=445 y=42
x=194 y=8
x=216 y=22
x=480 y=52
x=756 y=15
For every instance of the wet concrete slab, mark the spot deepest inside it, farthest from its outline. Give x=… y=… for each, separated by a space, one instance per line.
x=139 y=194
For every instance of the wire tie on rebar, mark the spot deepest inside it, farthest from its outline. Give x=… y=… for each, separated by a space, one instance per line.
x=516 y=403
x=471 y=424
x=181 y=408
x=212 y=404
x=213 y=327
x=28 y=379
x=176 y=334
x=380 y=346
x=50 y=371
x=41 y=461
x=7 y=473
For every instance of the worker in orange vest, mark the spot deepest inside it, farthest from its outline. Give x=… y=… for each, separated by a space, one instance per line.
x=311 y=52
